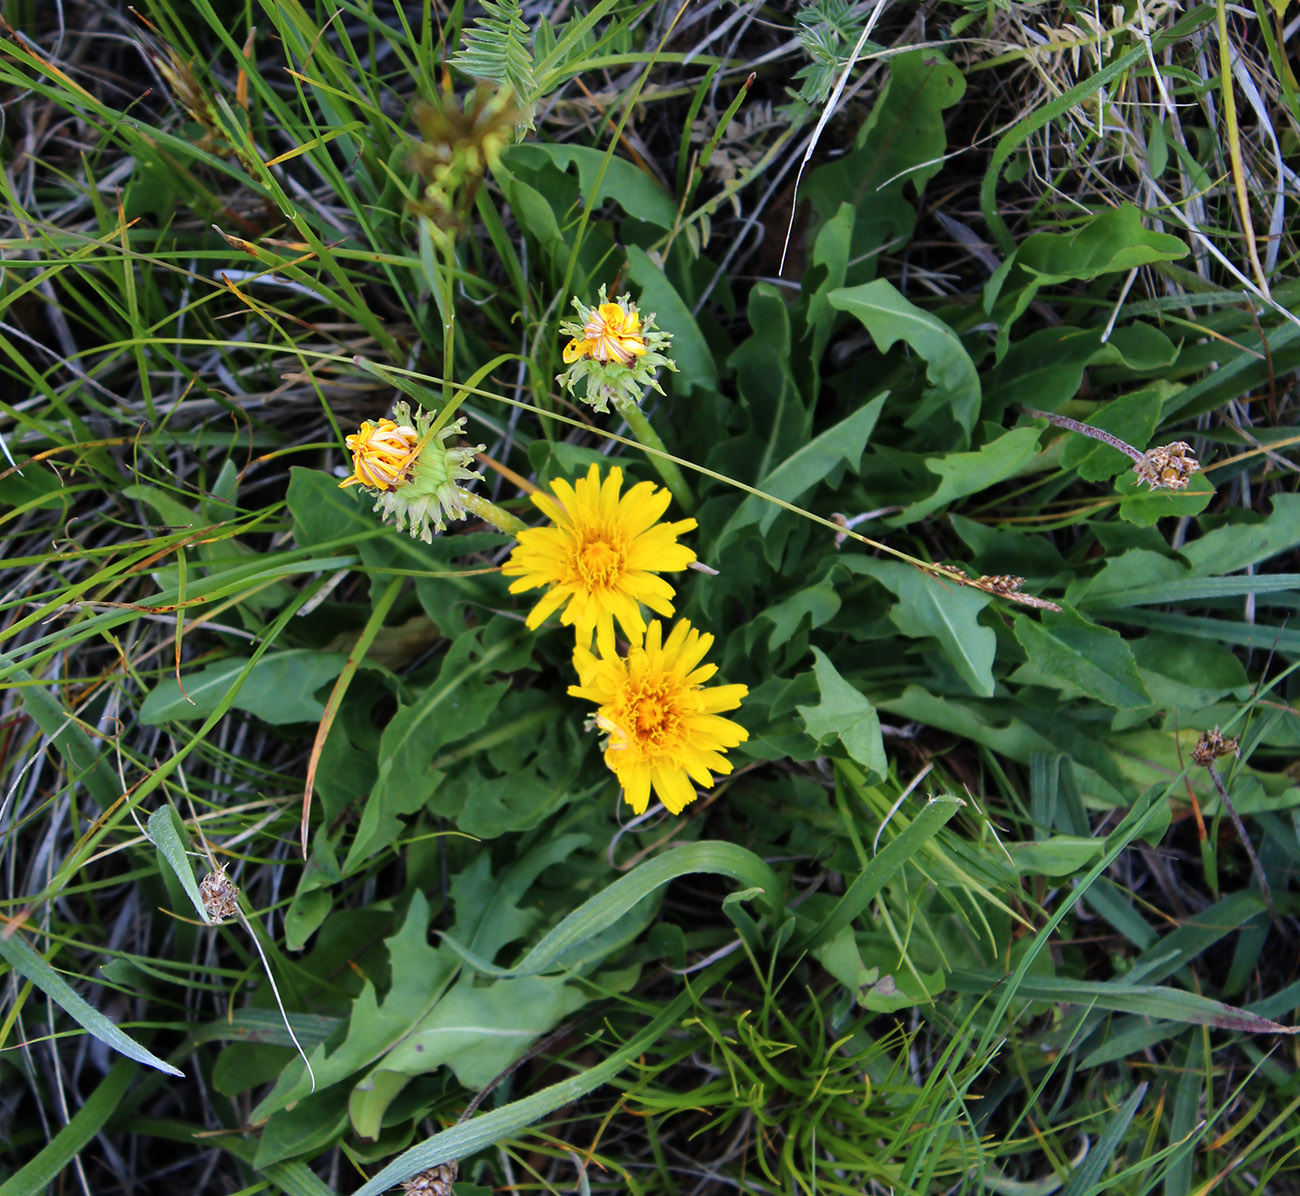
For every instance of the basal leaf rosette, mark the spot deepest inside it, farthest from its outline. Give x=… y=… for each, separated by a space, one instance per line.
x=615 y=350
x=664 y=725
x=411 y=471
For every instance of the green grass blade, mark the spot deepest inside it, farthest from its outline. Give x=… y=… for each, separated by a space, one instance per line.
x=168 y=834
x=1085 y=1180
x=1061 y=105
x=39 y=1174
x=876 y=874
x=611 y=903
x=29 y=964
x=1149 y=1000
x=1192 y=589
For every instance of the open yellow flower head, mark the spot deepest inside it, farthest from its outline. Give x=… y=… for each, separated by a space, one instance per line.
x=410 y=471
x=615 y=350
x=601 y=555
x=664 y=726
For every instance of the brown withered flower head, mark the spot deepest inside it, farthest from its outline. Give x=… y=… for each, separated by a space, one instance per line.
x=1168 y=467
x=458 y=145
x=1212 y=745
x=220 y=897
x=435 y=1181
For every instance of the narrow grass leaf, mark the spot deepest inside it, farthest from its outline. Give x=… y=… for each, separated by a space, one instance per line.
x=1087 y=1177
x=877 y=873
x=611 y=903
x=40 y=1173
x=28 y=964
x=170 y=837
x=266 y=1025
x=1149 y=1000
x=1191 y=1095
x=1192 y=589
x=85 y=761
x=1046 y=113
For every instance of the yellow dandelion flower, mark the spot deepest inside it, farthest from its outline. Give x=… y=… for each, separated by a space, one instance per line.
x=665 y=731
x=601 y=555
x=611 y=333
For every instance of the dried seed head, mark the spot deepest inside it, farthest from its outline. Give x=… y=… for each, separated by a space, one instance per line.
x=436 y=1181
x=1212 y=745
x=1169 y=467
x=999 y=583
x=1007 y=586
x=219 y=895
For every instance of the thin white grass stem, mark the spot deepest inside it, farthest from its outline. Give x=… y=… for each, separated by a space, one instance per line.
x=1119 y=303
x=822 y=121
x=902 y=797
x=275 y=991
x=1222 y=259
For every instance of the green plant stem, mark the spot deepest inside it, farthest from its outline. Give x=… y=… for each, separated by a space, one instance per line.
x=448 y=319
x=649 y=438
x=1255 y=865
x=486 y=509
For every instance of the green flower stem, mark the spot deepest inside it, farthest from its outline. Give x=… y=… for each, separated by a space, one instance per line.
x=485 y=509
x=448 y=320
x=641 y=429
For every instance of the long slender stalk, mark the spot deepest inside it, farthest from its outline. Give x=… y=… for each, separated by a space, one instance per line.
x=1232 y=136
x=1073 y=425
x=1249 y=847
x=641 y=428
x=448 y=281
x=486 y=509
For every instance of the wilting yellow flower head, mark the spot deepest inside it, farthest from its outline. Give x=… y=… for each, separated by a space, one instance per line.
x=410 y=471
x=664 y=727
x=382 y=455
x=611 y=333
x=615 y=350
x=601 y=555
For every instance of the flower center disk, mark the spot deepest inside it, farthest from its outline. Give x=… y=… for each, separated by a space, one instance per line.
x=598 y=561
x=655 y=717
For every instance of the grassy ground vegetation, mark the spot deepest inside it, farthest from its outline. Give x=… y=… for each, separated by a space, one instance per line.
x=985 y=335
